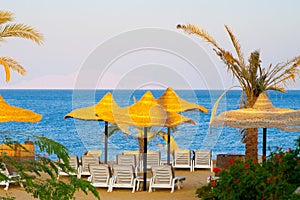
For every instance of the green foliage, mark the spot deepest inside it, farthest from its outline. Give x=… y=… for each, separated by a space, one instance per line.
x=276 y=178
x=39 y=176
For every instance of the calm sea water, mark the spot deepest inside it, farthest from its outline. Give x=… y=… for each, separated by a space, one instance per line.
x=79 y=136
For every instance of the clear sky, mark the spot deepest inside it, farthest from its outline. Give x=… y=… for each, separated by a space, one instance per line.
x=108 y=44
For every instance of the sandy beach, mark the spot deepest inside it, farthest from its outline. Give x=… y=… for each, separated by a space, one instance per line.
x=193 y=180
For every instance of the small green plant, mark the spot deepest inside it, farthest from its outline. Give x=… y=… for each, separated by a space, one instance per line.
x=276 y=178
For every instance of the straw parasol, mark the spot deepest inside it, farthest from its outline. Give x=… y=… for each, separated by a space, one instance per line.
x=145 y=113
x=173 y=103
x=9 y=113
x=262 y=115
x=102 y=111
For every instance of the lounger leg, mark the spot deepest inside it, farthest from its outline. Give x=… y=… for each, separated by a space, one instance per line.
x=134 y=184
x=173 y=184
x=150 y=186
x=6 y=186
x=138 y=186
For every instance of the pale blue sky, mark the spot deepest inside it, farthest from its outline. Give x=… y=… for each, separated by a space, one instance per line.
x=74 y=29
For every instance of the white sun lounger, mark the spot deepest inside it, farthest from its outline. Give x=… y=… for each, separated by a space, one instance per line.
x=5 y=172
x=203 y=159
x=182 y=159
x=123 y=177
x=100 y=175
x=163 y=177
x=85 y=162
x=74 y=163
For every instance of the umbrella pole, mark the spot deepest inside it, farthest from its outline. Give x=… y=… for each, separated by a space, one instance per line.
x=168 y=156
x=264 y=143
x=145 y=160
x=106 y=141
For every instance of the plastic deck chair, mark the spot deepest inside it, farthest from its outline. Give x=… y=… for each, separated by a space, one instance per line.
x=123 y=177
x=85 y=162
x=74 y=163
x=100 y=175
x=182 y=159
x=163 y=177
x=203 y=159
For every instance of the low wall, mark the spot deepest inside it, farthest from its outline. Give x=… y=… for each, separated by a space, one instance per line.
x=223 y=160
x=18 y=153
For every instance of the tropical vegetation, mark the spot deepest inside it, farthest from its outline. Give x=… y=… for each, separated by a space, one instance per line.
x=276 y=178
x=251 y=75
x=38 y=175
x=20 y=30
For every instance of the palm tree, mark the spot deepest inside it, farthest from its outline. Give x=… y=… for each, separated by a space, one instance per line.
x=252 y=77
x=15 y=30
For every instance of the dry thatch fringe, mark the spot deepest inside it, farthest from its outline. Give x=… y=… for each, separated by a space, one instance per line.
x=215 y=107
x=12 y=64
x=6 y=16
x=23 y=31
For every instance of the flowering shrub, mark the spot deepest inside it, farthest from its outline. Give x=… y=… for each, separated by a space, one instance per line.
x=276 y=178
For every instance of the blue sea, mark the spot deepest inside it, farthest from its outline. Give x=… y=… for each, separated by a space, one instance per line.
x=79 y=136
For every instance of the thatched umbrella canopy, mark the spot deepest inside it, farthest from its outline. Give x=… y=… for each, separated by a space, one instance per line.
x=171 y=102
x=103 y=111
x=9 y=113
x=145 y=113
x=262 y=115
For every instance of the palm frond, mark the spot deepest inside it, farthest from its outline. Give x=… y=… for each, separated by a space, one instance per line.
x=22 y=31
x=282 y=74
x=237 y=47
x=6 y=16
x=276 y=88
x=14 y=65
x=113 y=129
x=6 y=69
x=235 y=66
x=192 y=29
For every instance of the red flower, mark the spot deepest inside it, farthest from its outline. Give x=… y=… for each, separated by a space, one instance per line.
x=274 y=178
x=277 y=156
x=231 y=161
x=268 y=179
x=280 y=160
x=216 y=170
x=255 y=161
x=213 y=184
x=247 y=165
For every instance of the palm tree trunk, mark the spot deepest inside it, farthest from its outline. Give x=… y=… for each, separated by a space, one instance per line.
x=251 y=133
x=251 y=143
